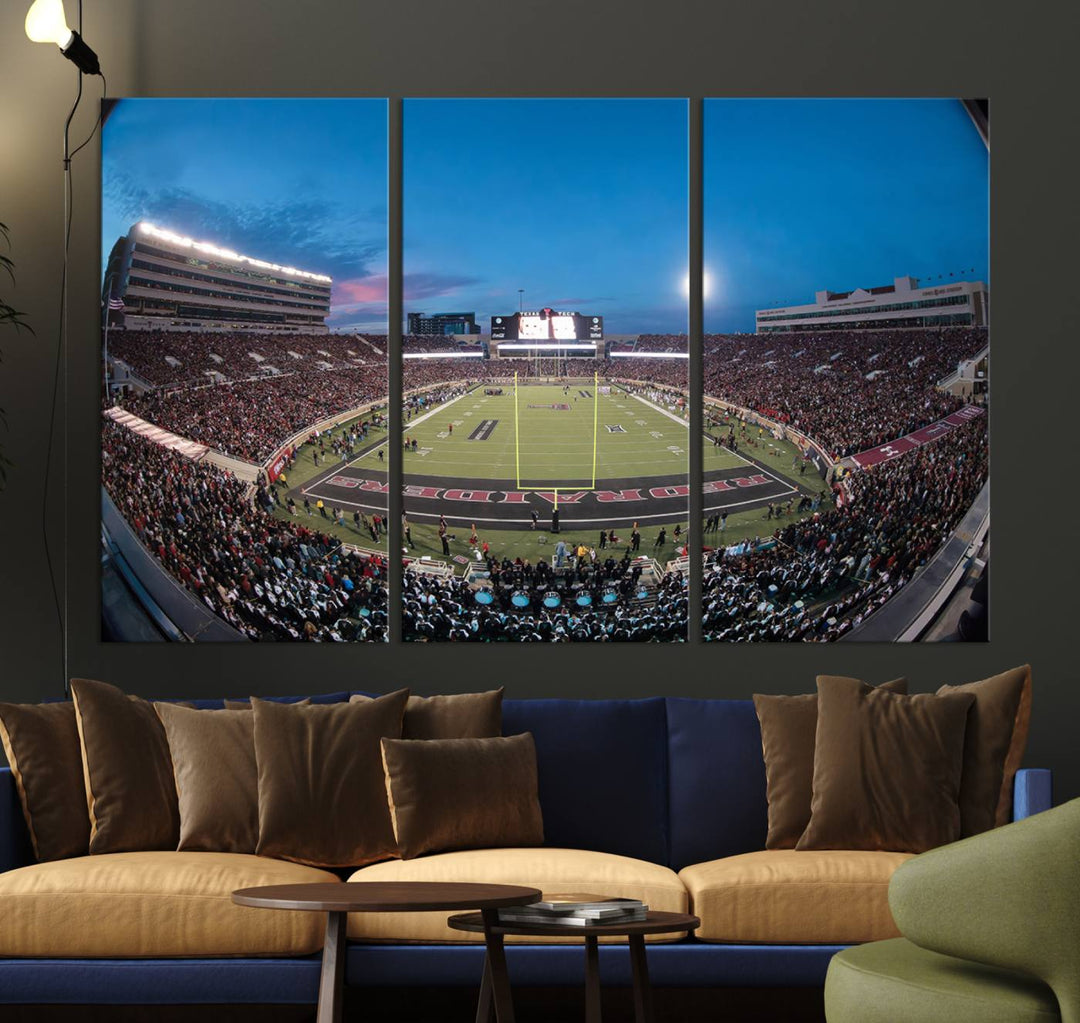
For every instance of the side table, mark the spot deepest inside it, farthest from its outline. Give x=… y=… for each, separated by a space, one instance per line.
x=496 y=979
x=338 y=900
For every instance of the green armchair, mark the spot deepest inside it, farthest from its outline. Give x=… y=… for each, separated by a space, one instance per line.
x=991 y=931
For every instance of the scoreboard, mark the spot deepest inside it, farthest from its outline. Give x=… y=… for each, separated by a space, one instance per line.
x=547 y=325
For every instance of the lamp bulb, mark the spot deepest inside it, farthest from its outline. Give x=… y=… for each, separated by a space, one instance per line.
x=45 y=23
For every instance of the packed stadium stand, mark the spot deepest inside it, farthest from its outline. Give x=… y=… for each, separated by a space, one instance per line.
x=245 y=393
x=814 y=580
x=267 y=577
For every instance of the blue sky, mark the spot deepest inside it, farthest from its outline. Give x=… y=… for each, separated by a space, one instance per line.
x=296 y=182
x=802 y=195
x=581 y=202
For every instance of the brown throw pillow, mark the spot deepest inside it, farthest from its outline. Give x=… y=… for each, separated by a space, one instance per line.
x=127 y=770
x=217 y=781
x=886 y=768
x=788 y=725
x=463 y=793
x=457 y=716
x=42 y=746
x=322 y=796
x=994 y=746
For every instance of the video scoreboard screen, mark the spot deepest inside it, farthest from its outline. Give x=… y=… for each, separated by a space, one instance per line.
x=547 y=325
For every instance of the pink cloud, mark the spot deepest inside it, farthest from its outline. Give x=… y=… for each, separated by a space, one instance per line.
x=360 y=289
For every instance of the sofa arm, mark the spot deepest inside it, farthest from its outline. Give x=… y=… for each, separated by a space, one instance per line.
x=1032 y=792
x=15 y=847
x=1009 y=898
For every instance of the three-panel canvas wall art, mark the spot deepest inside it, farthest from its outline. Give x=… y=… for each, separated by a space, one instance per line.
x=250 y=435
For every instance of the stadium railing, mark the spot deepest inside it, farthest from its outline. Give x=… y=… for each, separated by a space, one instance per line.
x=907 y=614
x=428 y=566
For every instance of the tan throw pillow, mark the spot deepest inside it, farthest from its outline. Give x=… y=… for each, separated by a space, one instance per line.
x=994 y=746
x=127 y=770
x=457 y=716
x=886 y=769
x=463 y=793
x=217 y=781
x=322 y=797
x=42 y=746
x=788 y=725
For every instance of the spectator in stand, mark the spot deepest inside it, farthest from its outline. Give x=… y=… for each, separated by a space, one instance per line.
x=270 y=578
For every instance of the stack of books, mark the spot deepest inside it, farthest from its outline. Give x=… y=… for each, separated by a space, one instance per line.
x=575 y=909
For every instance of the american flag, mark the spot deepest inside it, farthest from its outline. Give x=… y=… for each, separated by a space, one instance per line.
x=115 y=303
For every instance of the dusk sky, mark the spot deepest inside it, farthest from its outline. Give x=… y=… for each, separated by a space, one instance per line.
x=295 y=182
x=581 y=202
x=804 y=195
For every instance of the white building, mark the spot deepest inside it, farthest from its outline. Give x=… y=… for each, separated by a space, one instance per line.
x=900 y=304
x=170 y=282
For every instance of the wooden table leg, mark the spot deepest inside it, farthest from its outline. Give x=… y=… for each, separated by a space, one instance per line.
x=331 y=982
x=592 y=980
x=496 y=964
x=485 y=1005
x=643 y=1011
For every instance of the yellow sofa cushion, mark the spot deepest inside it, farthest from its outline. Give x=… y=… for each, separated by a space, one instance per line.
x=550 y=870
x=784 y=896
x=153 y=904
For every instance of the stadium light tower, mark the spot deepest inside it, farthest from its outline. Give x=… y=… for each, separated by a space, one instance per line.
x=521 y=299
x=45 y=23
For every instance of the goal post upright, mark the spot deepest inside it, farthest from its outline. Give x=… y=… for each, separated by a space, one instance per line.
x=595 y=424
x=517 y=434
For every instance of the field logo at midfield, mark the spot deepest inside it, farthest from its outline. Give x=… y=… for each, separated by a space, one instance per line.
x=483 y=429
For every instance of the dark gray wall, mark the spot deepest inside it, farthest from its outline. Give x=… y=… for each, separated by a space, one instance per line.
x=1018 y=56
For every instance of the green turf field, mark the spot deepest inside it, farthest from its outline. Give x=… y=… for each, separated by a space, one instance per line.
x=624 y=438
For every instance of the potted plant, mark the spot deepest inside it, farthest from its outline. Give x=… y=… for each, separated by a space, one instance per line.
x=9 y=316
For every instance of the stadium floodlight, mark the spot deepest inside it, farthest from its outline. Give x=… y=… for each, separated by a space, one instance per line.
x=443 y=355
x=547 y=346
x=650 y=355
x=181 y=241
x=46 y=23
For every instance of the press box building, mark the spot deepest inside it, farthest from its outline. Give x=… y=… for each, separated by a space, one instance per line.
x=158 y=280
x=900 y=304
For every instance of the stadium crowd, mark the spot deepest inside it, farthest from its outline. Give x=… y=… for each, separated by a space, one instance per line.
x=180 y=359
x=813 y=580
x=446 y=609
x=849 y=391
x=816 y=579
x=269 y=578
x=252 y=418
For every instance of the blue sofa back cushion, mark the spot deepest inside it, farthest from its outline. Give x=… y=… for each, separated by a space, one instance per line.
x=602 y=767
x=217 y=704
x=716 y=773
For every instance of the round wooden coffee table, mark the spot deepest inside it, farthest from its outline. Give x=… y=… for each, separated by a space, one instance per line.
x=338 y=900
x=495 y=976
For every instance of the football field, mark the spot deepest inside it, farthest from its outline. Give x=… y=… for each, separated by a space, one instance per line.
x=548 y=436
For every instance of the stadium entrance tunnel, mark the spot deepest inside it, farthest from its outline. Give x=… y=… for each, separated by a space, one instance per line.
x=618 y=503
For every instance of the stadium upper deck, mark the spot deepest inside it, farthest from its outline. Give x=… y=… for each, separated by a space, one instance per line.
x=169 y=282
x=902 y=304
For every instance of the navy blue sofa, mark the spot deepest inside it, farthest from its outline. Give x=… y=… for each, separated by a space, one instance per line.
x=629 y=777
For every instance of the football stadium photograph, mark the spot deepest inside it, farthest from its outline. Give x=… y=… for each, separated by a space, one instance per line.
x=846 y=354
x=244 y=351
x=545 y=431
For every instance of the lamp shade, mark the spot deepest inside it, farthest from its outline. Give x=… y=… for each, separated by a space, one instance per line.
x=45 y=23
